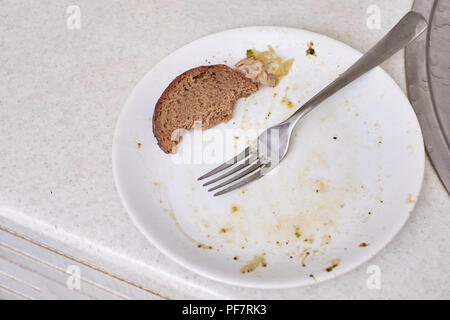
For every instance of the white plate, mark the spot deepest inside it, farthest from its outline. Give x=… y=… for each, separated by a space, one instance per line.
x=319 y=200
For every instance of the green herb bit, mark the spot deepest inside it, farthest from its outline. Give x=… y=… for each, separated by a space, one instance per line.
x=310 y=50
x=329 y=269
x=363 y=244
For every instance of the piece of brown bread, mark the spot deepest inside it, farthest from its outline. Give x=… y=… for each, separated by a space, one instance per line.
x=207 y=94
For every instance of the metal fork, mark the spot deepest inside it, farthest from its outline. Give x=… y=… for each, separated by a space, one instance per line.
x=272 y=145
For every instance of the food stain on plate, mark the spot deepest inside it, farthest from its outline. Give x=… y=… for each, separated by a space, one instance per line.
x=255 y=263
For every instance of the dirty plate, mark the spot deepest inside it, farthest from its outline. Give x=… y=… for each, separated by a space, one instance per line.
x=346 y=187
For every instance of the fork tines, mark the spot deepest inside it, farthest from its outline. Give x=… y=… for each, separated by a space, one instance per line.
x=243 y=169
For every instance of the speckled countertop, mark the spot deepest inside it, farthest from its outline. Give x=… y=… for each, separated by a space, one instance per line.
x=61 y=92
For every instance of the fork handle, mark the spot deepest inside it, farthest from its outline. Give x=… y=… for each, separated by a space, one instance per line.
x=405 y=31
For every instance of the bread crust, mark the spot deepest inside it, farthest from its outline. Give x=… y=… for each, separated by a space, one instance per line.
x=192 y=102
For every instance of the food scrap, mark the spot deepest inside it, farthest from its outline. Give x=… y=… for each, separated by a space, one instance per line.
x=409 y=199
x=264 y=67
x=234 y=209
x=310 y=50
x=257 y=260
x=287 y=102
x=363 y=244
x=305 y=254
x=334 y=264
x=203 y=246
x=326 y=240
